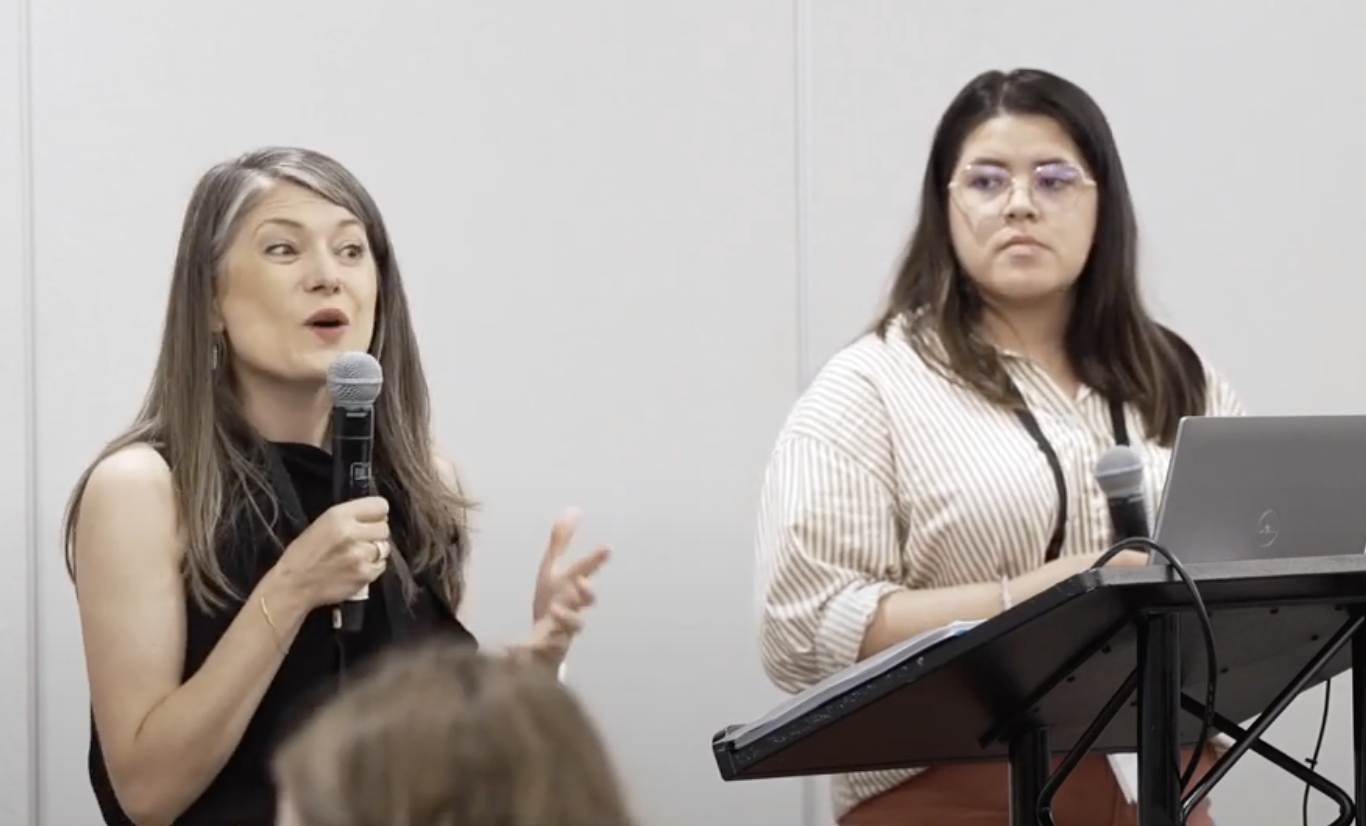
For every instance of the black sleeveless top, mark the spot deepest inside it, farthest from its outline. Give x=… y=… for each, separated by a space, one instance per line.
x=243 y=794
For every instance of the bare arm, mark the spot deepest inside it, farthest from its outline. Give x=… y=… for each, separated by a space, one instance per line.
x=905 y=613
x=164 y=742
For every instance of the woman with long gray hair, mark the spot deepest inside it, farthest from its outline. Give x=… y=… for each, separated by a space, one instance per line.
x=204 y=542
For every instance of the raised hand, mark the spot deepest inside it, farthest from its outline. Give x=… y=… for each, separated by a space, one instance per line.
x=563 y=590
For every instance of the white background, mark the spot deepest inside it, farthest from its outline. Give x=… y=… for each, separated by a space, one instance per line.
x=631 y=230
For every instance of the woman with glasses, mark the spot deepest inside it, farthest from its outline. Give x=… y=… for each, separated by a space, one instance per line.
x=940 y=467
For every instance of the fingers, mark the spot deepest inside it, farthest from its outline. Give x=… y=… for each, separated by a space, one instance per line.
x=370 y=558
x=552 y=635
x=577 y=593
x=372 y=571
x=560 y=535
x=589 y=565
x=560 y=623
x=567 y=621
x=370 y=532
x=368 y=509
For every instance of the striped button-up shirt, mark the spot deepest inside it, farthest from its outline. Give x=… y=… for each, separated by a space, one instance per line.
x=888 y=476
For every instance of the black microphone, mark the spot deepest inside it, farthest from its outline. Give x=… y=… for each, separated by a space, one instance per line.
x=354 y=381
x=1120 y=473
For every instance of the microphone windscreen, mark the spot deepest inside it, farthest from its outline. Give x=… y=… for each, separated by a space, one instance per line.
x=354 y=380
x=1120 y=472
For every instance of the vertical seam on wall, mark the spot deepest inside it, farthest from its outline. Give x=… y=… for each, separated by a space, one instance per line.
x=28 y=305
x=801 y=53
x=801 y=110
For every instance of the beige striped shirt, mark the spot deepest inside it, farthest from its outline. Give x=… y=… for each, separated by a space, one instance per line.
x=888 y=476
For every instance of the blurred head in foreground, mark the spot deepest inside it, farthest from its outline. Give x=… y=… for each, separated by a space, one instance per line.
x=441 y=735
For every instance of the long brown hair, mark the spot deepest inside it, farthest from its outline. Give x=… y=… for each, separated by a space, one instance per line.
x=191 y=413
x=1114 y=345
x=442 y=735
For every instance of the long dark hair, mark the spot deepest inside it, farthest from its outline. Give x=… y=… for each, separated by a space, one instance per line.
x=1113 y=344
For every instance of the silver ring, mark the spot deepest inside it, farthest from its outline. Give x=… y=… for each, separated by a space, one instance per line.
x=381 y=551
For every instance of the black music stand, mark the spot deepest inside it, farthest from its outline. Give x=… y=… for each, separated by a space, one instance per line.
x=1055 y=676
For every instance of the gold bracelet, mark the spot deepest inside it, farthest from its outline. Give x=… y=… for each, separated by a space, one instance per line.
x=275 y=629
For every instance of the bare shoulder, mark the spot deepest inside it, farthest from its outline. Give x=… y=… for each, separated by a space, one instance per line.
x=128 y=507
x=136 y=475
x=137 y=464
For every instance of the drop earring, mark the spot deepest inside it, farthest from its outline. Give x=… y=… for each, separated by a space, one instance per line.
x=217 y=357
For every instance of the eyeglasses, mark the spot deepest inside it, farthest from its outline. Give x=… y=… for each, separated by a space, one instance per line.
x=986 y=188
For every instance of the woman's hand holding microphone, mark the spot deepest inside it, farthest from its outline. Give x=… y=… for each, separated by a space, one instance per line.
x=343 y=551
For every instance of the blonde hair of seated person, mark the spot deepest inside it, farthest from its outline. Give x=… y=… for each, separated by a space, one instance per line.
x=441 y=735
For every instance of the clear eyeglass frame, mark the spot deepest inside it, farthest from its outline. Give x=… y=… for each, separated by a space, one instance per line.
x=1053 y=188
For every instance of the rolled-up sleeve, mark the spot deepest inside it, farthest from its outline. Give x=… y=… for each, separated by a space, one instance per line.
x=827 y=542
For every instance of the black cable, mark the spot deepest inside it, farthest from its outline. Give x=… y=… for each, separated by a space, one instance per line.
x=1206 y=627
x=1318 y=747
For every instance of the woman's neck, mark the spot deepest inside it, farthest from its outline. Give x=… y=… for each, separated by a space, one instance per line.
x=1035 y=330
x=285 y=412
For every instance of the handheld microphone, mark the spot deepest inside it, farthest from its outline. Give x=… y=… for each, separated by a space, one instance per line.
x=1120 y=473
x=354 y=381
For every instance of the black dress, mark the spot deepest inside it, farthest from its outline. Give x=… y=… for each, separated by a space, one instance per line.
x=243 y=794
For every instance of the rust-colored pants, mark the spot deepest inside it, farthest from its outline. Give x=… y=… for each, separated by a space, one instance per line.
x=978 y=794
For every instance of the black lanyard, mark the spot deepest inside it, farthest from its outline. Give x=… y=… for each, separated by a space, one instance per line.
x=289 y=498
x=1031 y=425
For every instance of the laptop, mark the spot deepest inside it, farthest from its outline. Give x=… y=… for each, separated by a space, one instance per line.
x=1265 y=487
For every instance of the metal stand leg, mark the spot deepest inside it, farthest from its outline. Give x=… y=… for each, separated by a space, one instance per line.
x=1031 y=761
x=1359 y=720
x=1249 y=739
x=1159 y=704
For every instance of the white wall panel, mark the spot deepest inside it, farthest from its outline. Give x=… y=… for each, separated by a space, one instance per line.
x=16 y=525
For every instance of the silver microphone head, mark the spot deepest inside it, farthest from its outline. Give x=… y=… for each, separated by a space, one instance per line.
x=354 y=380
x=1120 y=472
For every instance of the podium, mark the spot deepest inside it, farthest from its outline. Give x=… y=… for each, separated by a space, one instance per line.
x=1110 y=660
